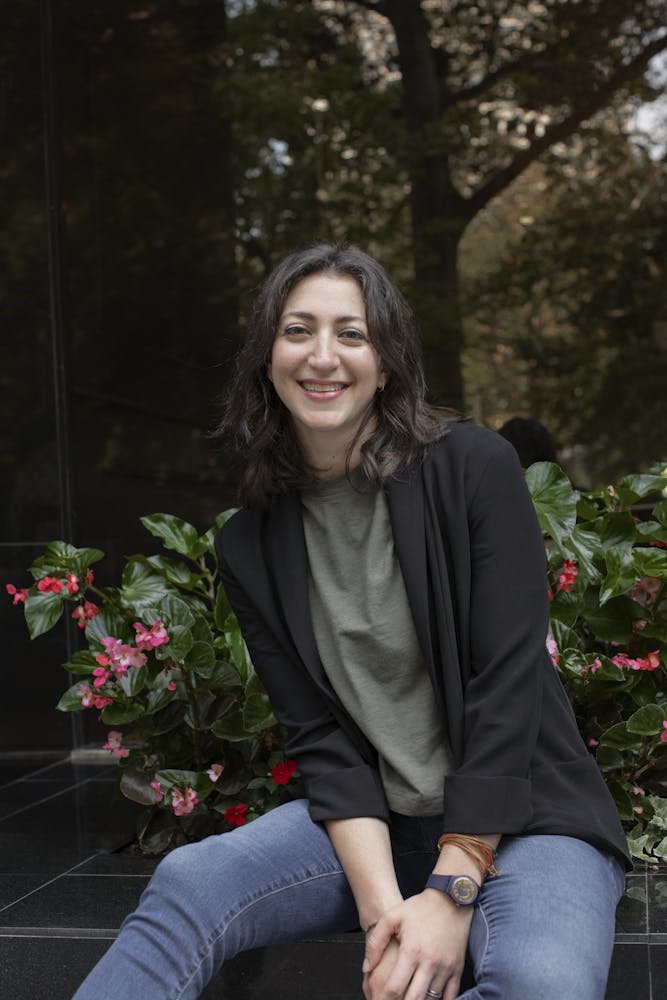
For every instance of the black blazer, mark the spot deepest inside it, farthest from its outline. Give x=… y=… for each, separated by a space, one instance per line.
x=473 y=562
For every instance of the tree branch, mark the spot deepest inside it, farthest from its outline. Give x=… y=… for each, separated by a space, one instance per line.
x=561 y=130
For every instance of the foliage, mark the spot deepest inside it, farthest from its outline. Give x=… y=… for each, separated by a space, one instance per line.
x=166 y=659
x=607 y=554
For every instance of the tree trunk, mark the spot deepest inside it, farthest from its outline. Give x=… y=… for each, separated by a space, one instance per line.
x=439 y=213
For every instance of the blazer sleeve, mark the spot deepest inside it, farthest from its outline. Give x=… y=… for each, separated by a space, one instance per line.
x=339 y=782
x=509 y=619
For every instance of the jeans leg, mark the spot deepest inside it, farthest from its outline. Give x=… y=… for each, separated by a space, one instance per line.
x=544 y=928
x=275 y=880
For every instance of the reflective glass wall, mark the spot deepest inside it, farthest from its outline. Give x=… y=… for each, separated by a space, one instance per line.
x=117 y=302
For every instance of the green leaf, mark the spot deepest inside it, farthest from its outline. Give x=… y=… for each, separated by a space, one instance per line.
x=61 y=557
x=174 y=570
x=81 y=662
x=136 y=786
x=159 y=831
x=201 y=630
x=117 y=715
x=71 y=700
x=617 y=530
x=660 y=513
x=222 y=608
x=619 y=737
x=221 y=519
x=636 y=487
x=651 y=562
x=179 y=646
x=176 y=534
x=165 y=719
x=42 y=611
x=108 y=622
x=201 y=659
x=584 y=544
x=647 y=720
x=175 y=611
x=651 y=531
x=172 y=777
x=134 y=681
x=239 y=653
x=613 y=621
x=554 y=499
x=230 y=728
x=142 y=587
x=159 y=699
x=609 y=758
x=621 y=574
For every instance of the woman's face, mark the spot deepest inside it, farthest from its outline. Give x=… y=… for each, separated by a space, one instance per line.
x=323 y=365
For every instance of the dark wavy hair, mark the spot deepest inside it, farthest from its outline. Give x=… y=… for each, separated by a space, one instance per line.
x=258 y=424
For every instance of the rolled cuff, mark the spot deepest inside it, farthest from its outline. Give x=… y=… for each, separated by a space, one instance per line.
x=347 y=793
x=487 y=805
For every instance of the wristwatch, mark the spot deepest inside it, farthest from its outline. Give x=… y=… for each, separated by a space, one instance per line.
x=461 y=888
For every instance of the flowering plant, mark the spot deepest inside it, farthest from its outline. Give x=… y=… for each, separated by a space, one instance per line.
x=165 y=659
x=607 y=565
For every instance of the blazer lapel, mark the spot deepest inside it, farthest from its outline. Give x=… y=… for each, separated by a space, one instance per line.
x=288 y=566
x=405 y=498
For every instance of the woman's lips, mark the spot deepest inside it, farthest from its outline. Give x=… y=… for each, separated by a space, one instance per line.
x=323 y=390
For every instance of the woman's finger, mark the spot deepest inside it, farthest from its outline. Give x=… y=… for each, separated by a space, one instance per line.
x=376 y=941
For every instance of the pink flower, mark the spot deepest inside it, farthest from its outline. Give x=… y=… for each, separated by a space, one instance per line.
x=596 y=664
x=49 y=584
x=622 y=660
x=646 y=590
x=72 y=583
x=552 y=649
x=636 y=790
x=150 y=638
x=214 y=771
x=114 y=744
x=593 y=742
x=157 y=788
x=236 y=815
x=101 y=676
x=171 y=686
x=283 y=771
x=183 y=802
x=638 y=809
x=121 y=655
x=18 y=595
x=568 y=576
x=91 y=700
x=663 y=734
x=83 y=613
x=89 y=577
x=649 y=662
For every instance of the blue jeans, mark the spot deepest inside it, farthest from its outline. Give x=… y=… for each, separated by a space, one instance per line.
x=543 y=930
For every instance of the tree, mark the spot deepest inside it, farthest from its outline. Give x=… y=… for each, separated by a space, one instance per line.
x=487 y=89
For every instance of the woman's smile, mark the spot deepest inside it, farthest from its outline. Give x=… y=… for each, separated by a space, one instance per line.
x=323 y=366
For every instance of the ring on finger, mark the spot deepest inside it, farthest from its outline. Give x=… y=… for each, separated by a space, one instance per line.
x=434 y=994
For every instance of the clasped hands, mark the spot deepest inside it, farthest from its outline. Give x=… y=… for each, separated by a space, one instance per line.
x=416 y=946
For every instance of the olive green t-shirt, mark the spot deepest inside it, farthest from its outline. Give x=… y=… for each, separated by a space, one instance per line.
x=367 y=641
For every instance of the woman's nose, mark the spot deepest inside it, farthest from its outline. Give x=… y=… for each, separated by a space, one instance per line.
x=323 y=355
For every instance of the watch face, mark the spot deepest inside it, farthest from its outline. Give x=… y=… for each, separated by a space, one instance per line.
x=463 y=890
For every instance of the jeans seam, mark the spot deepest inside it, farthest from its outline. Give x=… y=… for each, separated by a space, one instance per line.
x=220 y=930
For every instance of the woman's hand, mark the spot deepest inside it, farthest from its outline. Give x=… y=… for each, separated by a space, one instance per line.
x=418 y=945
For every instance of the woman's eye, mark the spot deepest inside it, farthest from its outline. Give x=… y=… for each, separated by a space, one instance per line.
x=295 y=330
x=353 y=335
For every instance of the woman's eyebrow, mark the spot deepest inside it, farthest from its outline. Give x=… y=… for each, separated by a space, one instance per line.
x=338 y=319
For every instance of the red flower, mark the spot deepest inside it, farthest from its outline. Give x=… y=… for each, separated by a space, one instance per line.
x=568 y=576
x=49 y=584
x=89 y=577
x=18 y=595
x=72 y=583
x=83 y=613
x=236 y=815
x=283 y=771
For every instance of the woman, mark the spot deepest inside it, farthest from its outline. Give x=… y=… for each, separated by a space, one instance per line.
x=388 y=574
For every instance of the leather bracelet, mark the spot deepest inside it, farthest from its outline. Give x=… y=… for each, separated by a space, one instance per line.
x=481 y=853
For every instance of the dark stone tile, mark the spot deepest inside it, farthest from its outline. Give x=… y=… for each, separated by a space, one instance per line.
x=658 y=960
x=629 y=974
x=13 y=887
x=92 y=902
x=22 y=794
x=16 y=766
x=657 y=903
x=70 y=828
x=119 y=863
x=631 y=911
x=47 y=968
